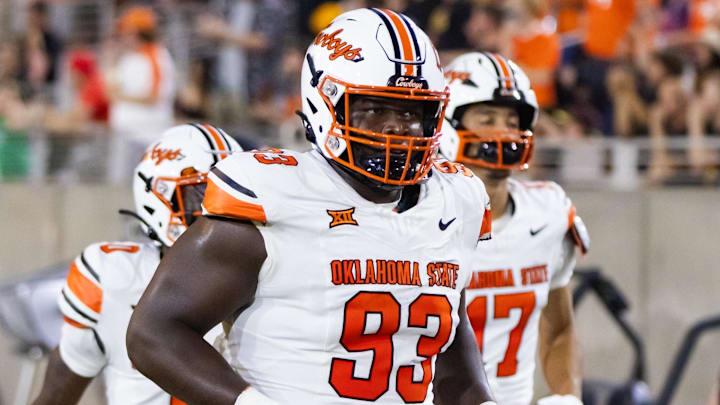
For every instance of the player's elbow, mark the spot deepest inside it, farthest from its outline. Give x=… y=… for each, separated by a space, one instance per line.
x=141 y=341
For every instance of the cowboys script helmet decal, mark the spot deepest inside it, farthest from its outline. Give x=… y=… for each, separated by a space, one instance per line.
x=169 y=183
x=380 y=53
x=491 y=79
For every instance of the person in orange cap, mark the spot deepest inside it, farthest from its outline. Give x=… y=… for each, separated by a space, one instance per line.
x=141 y=88
x=137 y=19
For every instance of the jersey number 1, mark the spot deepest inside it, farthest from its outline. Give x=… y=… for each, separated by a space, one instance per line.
x=477 y=313
x=354 y=339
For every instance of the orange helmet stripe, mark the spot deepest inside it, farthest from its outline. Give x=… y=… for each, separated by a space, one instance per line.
x=506 y=72
x=216 y=137
x=406 y=45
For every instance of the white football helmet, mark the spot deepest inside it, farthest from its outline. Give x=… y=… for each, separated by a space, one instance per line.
x=380 y=53
x=481 y=77
x=169 y=183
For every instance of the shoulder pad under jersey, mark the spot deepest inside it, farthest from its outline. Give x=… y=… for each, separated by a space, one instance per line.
x=101 y=266
x=470 y=188
x=555 y=201
x=250 y=185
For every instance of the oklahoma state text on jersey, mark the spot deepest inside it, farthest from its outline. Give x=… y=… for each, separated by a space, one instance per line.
x=344 y=299
x=512 y=275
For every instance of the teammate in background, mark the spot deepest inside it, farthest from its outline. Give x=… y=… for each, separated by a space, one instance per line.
x=518 y=299
x=336 y=282
x=106 y=281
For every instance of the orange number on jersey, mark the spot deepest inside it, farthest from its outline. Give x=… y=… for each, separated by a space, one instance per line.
x=421 y=309
x=117 y=247
x=264 y=157
x=503 y=304
x=477 y=313
x=452 y=167
x=354 y=339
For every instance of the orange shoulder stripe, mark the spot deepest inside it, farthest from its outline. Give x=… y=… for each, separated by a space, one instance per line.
x=175 y=401
x=84 y=289
x=219 y=202
x=73 y=323
x=571 y=216
x=486 y=227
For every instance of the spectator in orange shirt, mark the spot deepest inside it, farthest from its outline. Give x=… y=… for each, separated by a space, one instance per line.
x=536 y=48
x=608 y=21
x=607 y=25
x=569 y=16
x=703 y=14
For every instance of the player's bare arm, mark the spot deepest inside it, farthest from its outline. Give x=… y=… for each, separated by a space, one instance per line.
x=557 y=345
x=460 y=377
x=207 y=276
x=61 y=385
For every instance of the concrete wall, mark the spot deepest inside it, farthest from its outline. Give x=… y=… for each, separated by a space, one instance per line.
x=40 y=226
x=661 y=247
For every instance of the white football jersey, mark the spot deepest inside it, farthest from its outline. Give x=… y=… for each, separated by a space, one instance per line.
x=104 y=284
x=354 y=300
x=512 y=275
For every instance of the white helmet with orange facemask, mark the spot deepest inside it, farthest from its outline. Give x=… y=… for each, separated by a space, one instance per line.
x=169 y=183
x=488 y=78
x=381 y=54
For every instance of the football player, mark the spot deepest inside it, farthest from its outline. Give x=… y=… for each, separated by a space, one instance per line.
x=107 y=279
x=335 y=281
x=518 y=300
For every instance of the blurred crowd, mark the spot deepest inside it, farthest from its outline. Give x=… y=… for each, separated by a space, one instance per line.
x=614 y=68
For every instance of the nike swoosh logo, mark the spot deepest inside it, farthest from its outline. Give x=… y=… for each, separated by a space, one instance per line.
x=443 y=226
x=534 y=232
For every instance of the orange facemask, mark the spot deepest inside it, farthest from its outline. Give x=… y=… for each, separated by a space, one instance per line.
x=406 y=159
x=185 y=204
x=496 y=149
